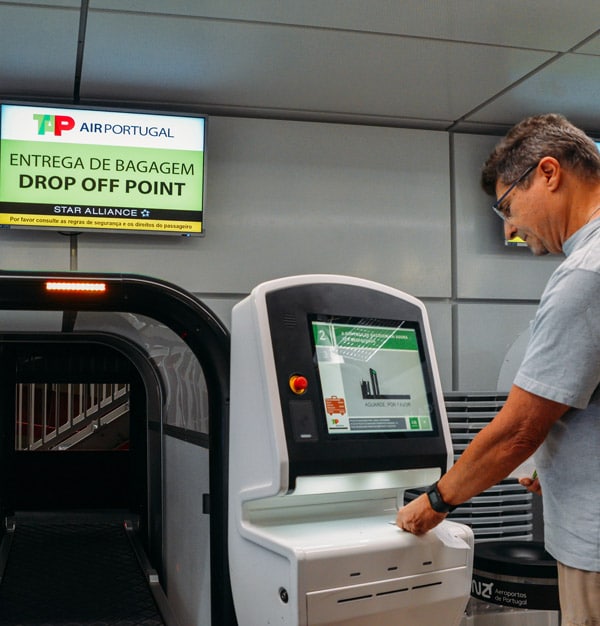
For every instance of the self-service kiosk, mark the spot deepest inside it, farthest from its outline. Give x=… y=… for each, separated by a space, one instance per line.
x=336 y=409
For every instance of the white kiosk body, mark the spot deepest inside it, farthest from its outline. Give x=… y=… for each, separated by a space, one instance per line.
x=336 y=409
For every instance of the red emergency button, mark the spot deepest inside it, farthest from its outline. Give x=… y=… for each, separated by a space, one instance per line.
x=298 y=384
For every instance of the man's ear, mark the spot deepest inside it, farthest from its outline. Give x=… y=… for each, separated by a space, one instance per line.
x=551 y=171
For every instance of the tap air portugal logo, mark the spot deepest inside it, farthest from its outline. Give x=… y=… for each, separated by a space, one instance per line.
x=117 y=129
x=56 y=125
x=53 y=124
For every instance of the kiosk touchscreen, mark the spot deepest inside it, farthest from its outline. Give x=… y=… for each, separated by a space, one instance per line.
x=371 y=375
x=336 y=409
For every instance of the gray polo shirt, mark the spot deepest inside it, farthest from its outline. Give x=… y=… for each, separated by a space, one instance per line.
x=562 y=363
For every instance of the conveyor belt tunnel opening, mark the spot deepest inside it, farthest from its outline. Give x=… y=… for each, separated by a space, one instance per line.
x=170 y=354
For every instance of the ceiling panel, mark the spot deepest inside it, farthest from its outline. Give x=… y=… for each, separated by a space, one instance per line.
x=281 y=68
x=56 y=4
x=591 y=47
x=38 y=47
x=535 y=24
x=471 y=65
x=569 y=86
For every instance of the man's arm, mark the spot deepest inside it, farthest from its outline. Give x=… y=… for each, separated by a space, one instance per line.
x=513 y=435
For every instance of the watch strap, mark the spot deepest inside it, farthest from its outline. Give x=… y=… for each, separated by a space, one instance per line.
x=436 y=501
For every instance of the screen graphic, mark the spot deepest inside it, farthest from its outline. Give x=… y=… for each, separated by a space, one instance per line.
x=79 y=169
x=515 y=241
x=371 y=376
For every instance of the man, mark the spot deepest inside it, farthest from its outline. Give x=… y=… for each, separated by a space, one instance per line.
x=546 y=176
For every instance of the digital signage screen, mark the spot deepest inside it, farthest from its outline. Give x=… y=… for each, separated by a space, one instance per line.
x=372 y=376
x=83 y=169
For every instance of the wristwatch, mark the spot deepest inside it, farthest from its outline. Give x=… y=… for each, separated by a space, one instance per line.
x=436 y=500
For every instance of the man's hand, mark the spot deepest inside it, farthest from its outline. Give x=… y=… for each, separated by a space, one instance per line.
x=531 y=484
x=511 y=437
x=418 y=517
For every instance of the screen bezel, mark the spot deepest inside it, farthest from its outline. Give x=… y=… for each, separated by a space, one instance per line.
x=319 y=453
x=198 y=214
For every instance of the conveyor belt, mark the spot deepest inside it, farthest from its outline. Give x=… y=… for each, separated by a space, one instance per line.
x=72 y=570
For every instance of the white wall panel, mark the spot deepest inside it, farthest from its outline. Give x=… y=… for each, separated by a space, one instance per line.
x=287 y=198
x=34 y=250
x=486 y=268
x=485 y=334
x=220 y=305
x=440 y=320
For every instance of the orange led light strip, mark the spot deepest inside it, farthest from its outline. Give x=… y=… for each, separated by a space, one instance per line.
x=75 y=286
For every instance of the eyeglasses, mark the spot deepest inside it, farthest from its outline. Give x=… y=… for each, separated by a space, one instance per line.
x=503 y=214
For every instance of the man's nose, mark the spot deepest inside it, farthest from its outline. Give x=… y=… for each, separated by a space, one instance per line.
x=509 y=230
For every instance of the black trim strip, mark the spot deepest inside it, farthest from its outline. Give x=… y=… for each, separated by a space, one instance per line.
x=365 y=597
x=387 y=593
x=191 y=436
x=427 y=585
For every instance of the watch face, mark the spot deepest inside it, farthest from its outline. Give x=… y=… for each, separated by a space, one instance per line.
x=435 y=499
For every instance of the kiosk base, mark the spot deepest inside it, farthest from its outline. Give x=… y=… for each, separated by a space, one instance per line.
x=357 y=571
